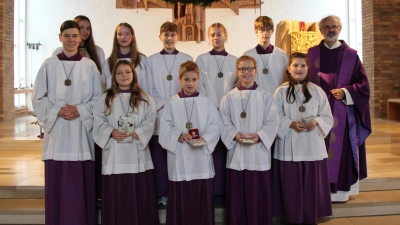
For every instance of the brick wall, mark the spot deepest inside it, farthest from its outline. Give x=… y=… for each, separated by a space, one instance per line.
x=381 y=51
x=6 y=60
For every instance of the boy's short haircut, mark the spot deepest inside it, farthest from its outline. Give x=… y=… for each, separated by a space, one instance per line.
x=168 y=27
x=187 y=67
x=263 y=22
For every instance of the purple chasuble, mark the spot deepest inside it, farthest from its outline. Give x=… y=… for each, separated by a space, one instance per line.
x=76 y=57
x=124 y=56
x=163 y=52
x=260 y=50
x=341 y=68
x=242 y=88
x=183 y=95
x=214 y=52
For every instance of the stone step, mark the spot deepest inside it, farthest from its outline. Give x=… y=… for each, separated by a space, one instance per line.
x=367 y=204
x=381 y=181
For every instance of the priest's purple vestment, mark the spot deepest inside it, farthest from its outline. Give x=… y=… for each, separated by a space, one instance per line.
x=341 y=68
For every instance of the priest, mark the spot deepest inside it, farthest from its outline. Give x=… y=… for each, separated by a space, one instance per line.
x=337 y=69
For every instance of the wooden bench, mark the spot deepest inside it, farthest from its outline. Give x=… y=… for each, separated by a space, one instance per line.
x=393 y=109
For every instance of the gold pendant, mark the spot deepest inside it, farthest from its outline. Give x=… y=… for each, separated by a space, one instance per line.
x=265 y=71
x=220 y=74
x=169 y=77
x=243 y=115
x=302 y=109
x=189 y=125
x=67 y=82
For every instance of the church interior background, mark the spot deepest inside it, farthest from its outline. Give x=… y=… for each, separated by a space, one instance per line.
x=377 y=39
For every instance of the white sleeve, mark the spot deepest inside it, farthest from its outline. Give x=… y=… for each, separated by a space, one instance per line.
x=101 y=55
x=212 y=132
x=168 y=135
x=106 y=78
x=148 y=75
x=228 y=130
x=268 y=131
x=85 y=110
x=324 y=116
x=146 y=128
x=201 y=86
x=284 y=121
x=102 y=129
x=349 y=99
x=160 y=102
x=46 y=112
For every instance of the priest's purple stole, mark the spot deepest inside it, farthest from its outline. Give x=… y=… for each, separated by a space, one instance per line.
x=339 y=109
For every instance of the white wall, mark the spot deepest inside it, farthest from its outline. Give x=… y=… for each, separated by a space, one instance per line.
x=44 y=17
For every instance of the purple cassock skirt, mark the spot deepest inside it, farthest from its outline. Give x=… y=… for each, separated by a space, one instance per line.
x=129 y=199
x=190 y=202
x=98 y=164
x=248 y=197
x=219 y=158
x=69 y=192
x=159 y=157
x=301 y=191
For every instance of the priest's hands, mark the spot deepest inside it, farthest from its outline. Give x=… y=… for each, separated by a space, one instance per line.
x=338 y=93
x=69 y=112
x=119 y=136
x=297 y=126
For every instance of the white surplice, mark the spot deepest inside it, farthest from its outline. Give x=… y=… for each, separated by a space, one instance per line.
x=186 y=162
x=66 y=140
x=121 y=158
x=161 y=66
x=99 y=50
x=142 y=71
x=210 y=84
x=261 y=118
x=296 y=146
x=276 y=63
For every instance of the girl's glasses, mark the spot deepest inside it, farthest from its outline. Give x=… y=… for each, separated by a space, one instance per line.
x=243 y=69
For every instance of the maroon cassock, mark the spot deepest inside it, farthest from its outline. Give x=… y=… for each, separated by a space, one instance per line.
x=69 y=192
x=342 y=68
x=129 y=199
x=248 y=197
x=300 y=191
x=190 y=202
